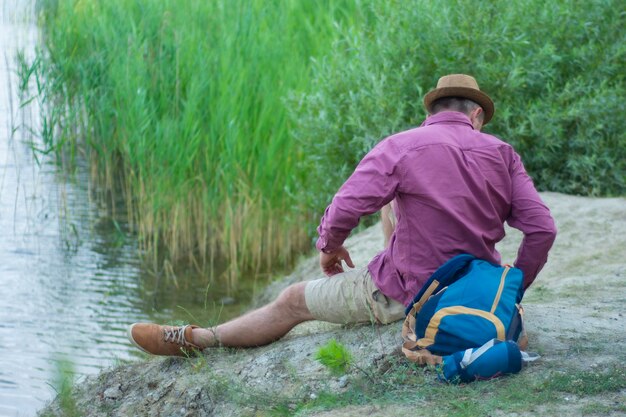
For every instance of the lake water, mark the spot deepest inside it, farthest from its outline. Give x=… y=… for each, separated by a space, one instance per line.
x=70 y=279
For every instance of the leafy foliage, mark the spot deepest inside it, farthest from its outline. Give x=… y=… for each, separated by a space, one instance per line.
x=554 y=70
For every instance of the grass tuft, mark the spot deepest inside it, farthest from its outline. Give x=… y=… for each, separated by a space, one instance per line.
x=335 y=357
x=63 y=384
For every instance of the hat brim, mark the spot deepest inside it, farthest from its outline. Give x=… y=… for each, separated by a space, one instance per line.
x=470 y=93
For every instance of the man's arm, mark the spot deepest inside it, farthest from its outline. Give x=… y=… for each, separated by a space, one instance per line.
x=331 y=262
x=388 y=221
x=372 y=185
x=530 y=215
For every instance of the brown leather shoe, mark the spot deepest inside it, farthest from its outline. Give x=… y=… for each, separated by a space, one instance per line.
x=163 y=340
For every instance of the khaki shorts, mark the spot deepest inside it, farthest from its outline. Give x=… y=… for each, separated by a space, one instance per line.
x=351 y=297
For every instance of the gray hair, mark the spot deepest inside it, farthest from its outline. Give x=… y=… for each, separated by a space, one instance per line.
x=461 y=104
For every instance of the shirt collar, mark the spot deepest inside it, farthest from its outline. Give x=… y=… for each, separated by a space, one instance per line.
x=448 y=117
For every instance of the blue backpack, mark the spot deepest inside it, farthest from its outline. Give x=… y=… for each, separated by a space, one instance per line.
x=464 y=305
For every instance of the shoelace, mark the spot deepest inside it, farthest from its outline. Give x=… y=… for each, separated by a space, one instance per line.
x=176 y=335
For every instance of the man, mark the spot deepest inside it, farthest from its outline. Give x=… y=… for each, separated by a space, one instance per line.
x=453 y=188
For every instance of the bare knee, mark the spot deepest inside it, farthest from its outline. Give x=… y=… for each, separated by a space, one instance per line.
x=292 y=301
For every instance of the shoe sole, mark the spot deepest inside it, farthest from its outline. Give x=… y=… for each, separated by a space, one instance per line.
x=130 y=337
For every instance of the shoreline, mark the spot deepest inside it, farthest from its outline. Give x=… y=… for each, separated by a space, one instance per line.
x=573 y=316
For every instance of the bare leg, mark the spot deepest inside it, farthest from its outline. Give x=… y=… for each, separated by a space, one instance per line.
x=259 y=327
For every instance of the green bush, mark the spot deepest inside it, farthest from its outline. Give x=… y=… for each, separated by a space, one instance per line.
x=554 y=69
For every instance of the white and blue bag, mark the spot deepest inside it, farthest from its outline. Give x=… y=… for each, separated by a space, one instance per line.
x=493 y=359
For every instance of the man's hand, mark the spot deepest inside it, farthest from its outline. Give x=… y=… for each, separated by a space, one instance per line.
x=331 y=262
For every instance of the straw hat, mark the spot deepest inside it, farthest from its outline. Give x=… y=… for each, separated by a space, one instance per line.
x=460 y=85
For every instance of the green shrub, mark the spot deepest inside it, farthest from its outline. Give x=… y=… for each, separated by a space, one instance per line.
x=554 y=70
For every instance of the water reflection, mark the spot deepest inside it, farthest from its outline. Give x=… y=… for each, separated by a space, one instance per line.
x=70 y=279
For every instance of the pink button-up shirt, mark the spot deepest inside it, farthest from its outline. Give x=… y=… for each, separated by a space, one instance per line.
x=454 y=188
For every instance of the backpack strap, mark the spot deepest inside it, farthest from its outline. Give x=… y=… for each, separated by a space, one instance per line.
x=445 y=275
x=408 y=328
x=410 y=348
x=421 y=356
x=522 y=339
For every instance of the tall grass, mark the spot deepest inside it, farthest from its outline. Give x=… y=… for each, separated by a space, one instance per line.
x=226 y=125
x=179 y=105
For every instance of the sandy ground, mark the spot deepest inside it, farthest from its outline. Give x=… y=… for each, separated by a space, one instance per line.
x=574 y=316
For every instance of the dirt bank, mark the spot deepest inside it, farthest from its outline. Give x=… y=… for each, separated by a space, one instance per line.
x=575 y=320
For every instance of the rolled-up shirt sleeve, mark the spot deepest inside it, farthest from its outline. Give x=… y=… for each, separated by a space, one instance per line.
x=532 y=217
x=371 y=186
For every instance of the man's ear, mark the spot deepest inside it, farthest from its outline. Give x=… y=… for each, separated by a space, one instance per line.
x=476 y=117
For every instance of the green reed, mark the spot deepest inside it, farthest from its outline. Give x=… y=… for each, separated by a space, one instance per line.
x=180 y=108
x=63 y=383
